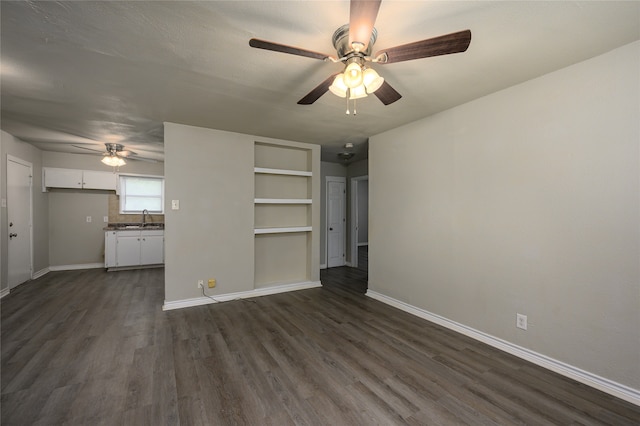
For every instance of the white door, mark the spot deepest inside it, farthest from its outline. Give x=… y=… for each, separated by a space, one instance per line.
x=336 y=196
x=19 y=220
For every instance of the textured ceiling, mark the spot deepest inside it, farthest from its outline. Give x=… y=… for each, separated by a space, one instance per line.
x=95 y=72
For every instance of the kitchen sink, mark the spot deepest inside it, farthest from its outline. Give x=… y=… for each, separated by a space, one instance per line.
x=147 y=226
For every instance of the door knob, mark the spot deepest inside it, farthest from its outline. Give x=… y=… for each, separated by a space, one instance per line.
x=12 y=235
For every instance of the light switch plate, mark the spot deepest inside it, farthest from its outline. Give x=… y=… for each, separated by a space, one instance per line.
x=88 y=219
x=175 y=204
x=105 y=219
x=4 y=202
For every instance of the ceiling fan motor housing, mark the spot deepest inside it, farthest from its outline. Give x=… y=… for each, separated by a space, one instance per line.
x=341 y=43
x=113 y=148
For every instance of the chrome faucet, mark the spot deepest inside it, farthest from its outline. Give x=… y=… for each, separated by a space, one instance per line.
x=144 y=213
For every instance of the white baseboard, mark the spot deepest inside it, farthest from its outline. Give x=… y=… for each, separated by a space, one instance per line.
x=323 y=266
x=363 y=244
x=197 y=301
x=78 y=266
x=4 y=292
x=40 y=273
x=609 y=386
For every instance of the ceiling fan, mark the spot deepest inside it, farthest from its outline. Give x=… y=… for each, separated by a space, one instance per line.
x=354 y=43
x=115 y=154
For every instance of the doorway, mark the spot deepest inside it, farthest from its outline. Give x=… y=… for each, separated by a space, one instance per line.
x=19 y=215
x=336 y=221
x=359 y=222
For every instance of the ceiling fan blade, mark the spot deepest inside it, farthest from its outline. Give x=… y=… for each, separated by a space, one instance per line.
x=89 y=149
x=443 y=45
x=387 y=94
x=318 y=91
x=362 y=18
x=268 y=45
x=125 y=153
x=146 y=160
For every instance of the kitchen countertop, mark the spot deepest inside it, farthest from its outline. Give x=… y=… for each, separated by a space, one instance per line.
x=133 y=227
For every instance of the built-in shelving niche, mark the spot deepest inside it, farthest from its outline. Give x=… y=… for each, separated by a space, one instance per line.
x=283 y=225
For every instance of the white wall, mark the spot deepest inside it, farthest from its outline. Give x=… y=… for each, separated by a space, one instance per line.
x=354 y=170
x=363 y=211
x=211 y=173
x=526 y=200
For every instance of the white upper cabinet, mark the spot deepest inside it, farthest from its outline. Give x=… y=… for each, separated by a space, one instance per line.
x=61 y=178
x=79 y=179
x=98 y=180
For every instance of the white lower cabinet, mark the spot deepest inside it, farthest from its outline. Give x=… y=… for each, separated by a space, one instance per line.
x=152 y=248
x=133 y=248
x=128 y=248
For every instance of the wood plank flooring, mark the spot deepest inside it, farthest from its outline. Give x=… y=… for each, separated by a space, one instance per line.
x=95 y=348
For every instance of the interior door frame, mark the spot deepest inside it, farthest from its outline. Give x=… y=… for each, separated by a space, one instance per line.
x=30 y=166
x=343 y=180
x=353 y=220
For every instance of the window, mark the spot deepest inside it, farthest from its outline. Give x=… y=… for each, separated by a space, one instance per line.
x=138 y=193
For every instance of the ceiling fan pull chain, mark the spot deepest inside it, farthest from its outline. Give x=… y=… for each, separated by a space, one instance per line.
x=347 y=97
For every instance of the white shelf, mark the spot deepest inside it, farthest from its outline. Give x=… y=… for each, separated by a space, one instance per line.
x=265 y=170
x=282 y=230
x=282 y=201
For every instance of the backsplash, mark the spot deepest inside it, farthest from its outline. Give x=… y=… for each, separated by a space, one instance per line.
x=116 y=217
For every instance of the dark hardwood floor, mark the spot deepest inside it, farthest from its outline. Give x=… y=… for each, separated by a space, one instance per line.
x=95 y=348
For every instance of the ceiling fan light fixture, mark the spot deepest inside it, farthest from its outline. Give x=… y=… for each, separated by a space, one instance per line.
x=358 y=92
x=353 y=75
x=338 y=87
x=113 y=161
x=371 y=80
x=346 y=156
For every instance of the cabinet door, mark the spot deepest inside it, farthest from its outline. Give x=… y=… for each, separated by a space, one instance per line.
x=62 y=178
x=109 y=249
x=152 y=249
x=98 y=180
x=128 y=250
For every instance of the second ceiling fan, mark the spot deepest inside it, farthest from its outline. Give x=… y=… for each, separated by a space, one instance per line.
x=354 y=42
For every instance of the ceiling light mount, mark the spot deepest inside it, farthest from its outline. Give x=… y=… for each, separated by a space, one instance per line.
x=347 y=155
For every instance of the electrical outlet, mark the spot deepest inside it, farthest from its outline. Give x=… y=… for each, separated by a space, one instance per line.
x=521 y=321
x=212 y=283
x=105 y=219
x=200 y=283
x=88 y=219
